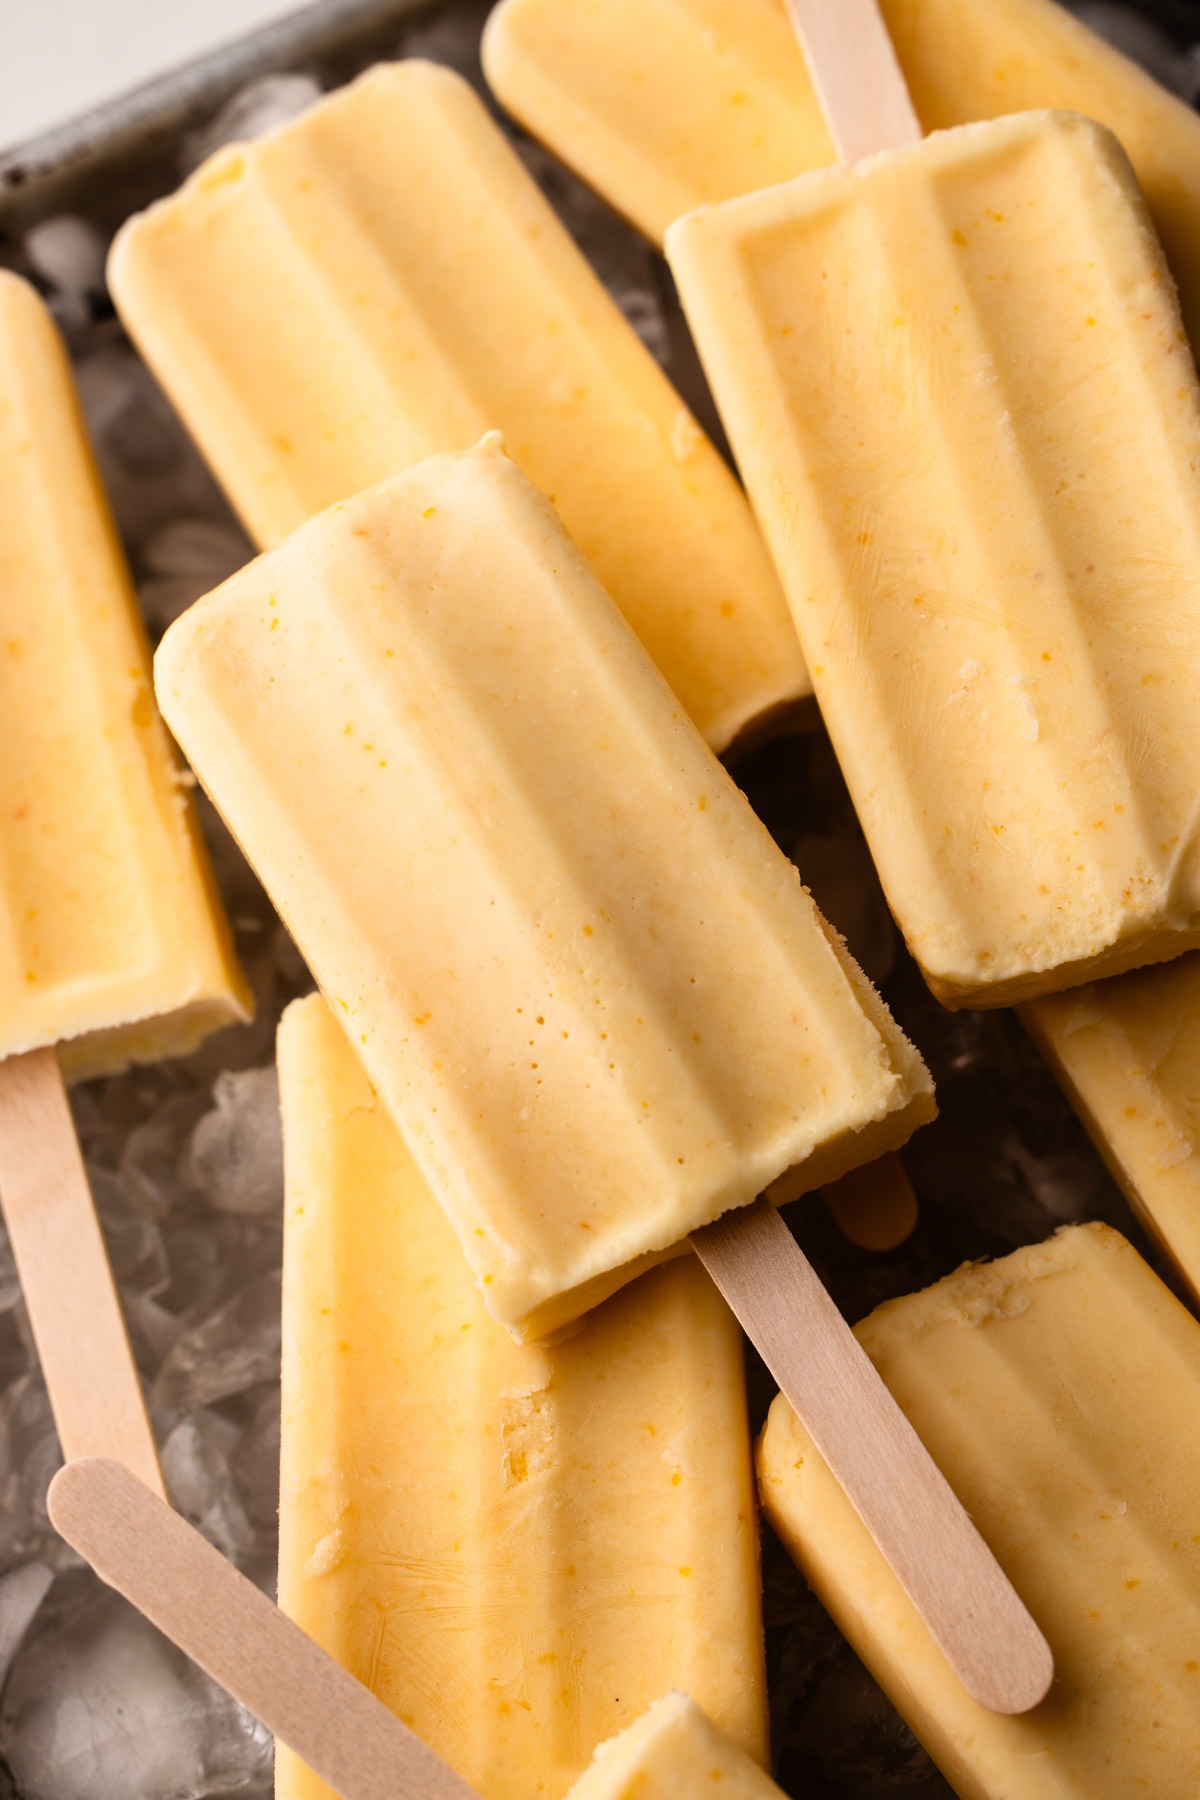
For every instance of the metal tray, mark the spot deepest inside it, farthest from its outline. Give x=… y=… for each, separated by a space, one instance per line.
x=112 y=159
x=1006 y=1163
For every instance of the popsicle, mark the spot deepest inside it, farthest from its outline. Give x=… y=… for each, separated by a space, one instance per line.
x=589 y=989
x=667 y=105
x=380 y=280
x=957 y=384
x=1059 y=1389
x=511 y=1545
x=112 y=944
x=488 y=823
x=161 y=1564
x=673 y=1753
x=1127 y=1053
x=165 y=1568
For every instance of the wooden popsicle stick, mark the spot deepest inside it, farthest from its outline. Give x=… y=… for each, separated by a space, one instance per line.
x=78 y=1326
x=889 y=1477
x=859 y=83
x=867 y=108
x=163 y=1566
x=874 y=1206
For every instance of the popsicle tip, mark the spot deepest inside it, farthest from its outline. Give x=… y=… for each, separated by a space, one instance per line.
x=1018 y=1674
x=72 y=1488
x=678 y=230
x=493 y=45
x=15 y=288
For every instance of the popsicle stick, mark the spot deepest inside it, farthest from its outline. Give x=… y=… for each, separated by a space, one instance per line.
x=78 y=1326
x=874 y=1206
x=859 y=83
x=163 y=1566
x=889 y=1477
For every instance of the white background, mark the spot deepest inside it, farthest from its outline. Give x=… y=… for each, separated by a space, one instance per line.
x=58 y=57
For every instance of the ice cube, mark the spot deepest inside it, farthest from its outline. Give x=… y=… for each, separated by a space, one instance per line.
x=10 y=1287
x=231 y=1351
x=29 y=1456
x=22 y=1591
x=135 y=1242
x=100 y=1707
x=152 y=472
x=236 y=1158
x=68 y=252
x=196 y=1464
x=153 y=1160
x=260 y=106
x=186 y=558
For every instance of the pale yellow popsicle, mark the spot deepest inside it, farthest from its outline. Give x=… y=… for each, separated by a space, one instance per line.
x=666 y=105
x=381 y=280
x=113 y=947
x=514 y=1546
x=112 y=940
x=673 y=1753
x=591 y=991
x=957 y=383
x=1059 y=1389
x=1127 y=1052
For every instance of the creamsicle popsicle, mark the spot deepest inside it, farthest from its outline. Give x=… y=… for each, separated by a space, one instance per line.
x=673 y=1753
x=667 y=105
x=591 y=991
x=513 y=1546
x=1059 y=1388
x=136 y=1544
x=163 y=1566
x=1127 y=1052
x=112 y=941
x=381 y=280
x=956 y=381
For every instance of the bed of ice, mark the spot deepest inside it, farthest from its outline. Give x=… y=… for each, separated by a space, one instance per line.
x=186 y=1162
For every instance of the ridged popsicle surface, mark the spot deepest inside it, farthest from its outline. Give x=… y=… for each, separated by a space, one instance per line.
x=590 y=988
x=1127 y=1051
x=382 y=280
x=514 y=1546
x=666 y=105
x=112 y=939
x=1059 y=1390
x=958 y=387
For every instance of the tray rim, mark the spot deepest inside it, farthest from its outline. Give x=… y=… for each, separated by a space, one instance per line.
x=165 y=104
